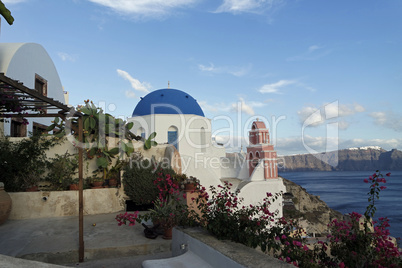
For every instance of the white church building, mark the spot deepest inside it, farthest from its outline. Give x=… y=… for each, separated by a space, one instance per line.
x=178 y=119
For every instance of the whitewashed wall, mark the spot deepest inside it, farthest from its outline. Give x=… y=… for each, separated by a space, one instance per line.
x=254 y=192
x=198 y=160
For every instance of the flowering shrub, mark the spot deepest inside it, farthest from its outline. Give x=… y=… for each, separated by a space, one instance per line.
x=169 y=208
x=361 y=242
x=224 y=216
x=357 y=242
x=139 y=180
x=167 y=187
x=131 y=218
x=374 y=193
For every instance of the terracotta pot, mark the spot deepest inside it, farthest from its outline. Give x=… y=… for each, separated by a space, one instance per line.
x=112 y=182
x=32 y=189
x=74 y=187
x=167 y=233
x=189 y=187
x=97 y=184
x=5 y=204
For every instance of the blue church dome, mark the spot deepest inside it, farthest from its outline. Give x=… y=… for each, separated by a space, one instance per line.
x=167 y=101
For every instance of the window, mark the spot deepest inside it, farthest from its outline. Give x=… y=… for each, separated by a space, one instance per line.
x=41 y=87
x=203 y=140
x=18 y=129
x=141 y=132
x=173 y=137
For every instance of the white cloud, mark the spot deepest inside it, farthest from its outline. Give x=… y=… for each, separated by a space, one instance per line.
x=66 y=57
x=315 y=116
x=135 y=83
x=314 y=52
x=313 y=47
x=210 y=68
x=216 y=107
x=342 y=125
x=388 y=119
x=232 y=70
x=145 y=8
x=310 y=116
x=275 y=87
x=250 y=6
x=240 y=106
x=130 y=94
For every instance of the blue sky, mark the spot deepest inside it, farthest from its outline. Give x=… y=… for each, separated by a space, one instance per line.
x=278 y=60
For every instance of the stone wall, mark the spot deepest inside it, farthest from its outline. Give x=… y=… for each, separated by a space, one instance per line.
x=47 y=204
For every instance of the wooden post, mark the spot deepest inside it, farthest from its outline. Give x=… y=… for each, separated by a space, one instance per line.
x=80 y=193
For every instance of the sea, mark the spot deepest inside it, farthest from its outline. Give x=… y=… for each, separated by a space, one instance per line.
x=346 y=192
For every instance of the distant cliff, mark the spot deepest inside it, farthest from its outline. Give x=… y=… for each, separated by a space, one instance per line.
x=353 y=159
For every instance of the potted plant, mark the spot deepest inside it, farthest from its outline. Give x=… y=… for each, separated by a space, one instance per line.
x=169 y=206
x=97 y=182
x=30 y=183
x=74 y=184
x=61 y=170
x=167 y=214
x=113 y=173
x=190 y=184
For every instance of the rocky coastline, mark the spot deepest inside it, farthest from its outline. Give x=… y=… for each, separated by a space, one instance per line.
x=313 y=214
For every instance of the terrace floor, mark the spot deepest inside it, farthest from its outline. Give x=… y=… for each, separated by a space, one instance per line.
x=55 y=240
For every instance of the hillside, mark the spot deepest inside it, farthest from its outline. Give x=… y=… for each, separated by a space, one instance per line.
x=353 y=159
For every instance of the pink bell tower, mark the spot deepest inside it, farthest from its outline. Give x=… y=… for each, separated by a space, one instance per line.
x=260 y=150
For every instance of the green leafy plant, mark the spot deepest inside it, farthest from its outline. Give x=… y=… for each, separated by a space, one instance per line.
x=138 y=179
x=61 y=170
x=113 y=172
x=23 y=163
x=97 y=128
x=169 y=209
x=149 y=142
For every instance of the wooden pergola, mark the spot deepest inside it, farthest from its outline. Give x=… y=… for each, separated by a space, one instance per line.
x=19 y=101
